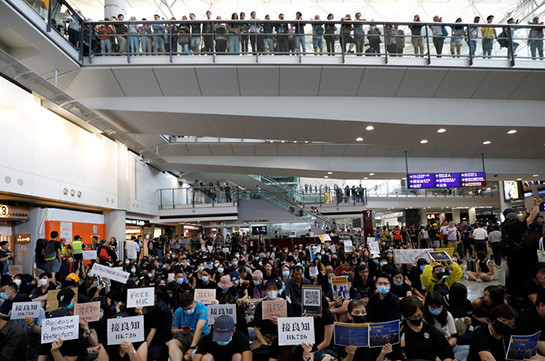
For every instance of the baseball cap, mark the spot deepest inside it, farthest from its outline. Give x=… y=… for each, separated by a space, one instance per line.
x=509 y=213
x=223 y=329
x=65 y=296
x=274 y=281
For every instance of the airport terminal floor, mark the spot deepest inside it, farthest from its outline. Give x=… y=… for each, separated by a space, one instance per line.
x=209 y=186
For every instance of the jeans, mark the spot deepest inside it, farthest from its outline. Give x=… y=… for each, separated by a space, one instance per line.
x=146 y=44
x=330 y=44
x=317 y=42
x=438 y=42
x=473 y=46
x=300 y=42
x=105 y=46
x=268 y=44
x=487 y=44
x=461 y=352
x=359 y=39
x=244 y=43
x=158 y=44
x=77 y=259
x=536 y=46
x=282 y=44
x=234 y=43
x=134 y=44
x=418 y=45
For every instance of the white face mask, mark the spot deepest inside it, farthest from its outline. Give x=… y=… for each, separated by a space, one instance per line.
x=44 y=282
x=271 y=295
x=17 y=282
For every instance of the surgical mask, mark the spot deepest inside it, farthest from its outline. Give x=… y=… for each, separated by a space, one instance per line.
x=271 y=295
x=256 y=283
x=91 y=275
x=69 y=307
x=100 y=314
x=376 y=261
x=383 y=290
x=17 y=282
x=416 y=323
x=200 y=268
x=286 y=273
x=220 y=270
x=210 y=266
x=330 y=281
x=164 y=266
x=435 y=311
x=133 y=270
x=235 y=263
x=382 y=264
x=127 y=262
x=226 y=342
x=304 y=263
x=95 y=284
x=44 y=282
x=205 y=279
x=319 y=257
x=225 y=288
x=171 y=295
x=4 y=295
x=216 y=265
x=179 y=281
x=398 y=283
x=235 y=281
x=189 y=312
x=422 y=268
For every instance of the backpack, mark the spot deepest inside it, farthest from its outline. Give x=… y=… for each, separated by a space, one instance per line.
x=502 y=40
x=50 y=253
x=103 y=254
x=444 y=31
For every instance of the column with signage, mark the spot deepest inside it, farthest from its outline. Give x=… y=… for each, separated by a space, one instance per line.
x=115 y=227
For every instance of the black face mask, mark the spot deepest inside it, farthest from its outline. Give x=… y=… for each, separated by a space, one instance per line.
x=416 y=322
x=502 y=328
x=359 y=319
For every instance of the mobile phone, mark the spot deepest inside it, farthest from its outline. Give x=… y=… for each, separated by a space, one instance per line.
x=542 y=207
x=185 y=328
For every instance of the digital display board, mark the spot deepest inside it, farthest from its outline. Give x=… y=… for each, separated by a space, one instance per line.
x=446 y=180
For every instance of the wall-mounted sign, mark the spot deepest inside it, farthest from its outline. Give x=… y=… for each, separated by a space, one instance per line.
x=23 y=238
x=446 y=180
x=11 y=212
x=137 y=222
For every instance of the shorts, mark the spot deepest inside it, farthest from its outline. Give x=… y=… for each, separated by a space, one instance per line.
x=195 y=40
x=317 y=42
x=186 y=339
x=456 y=40
x=54 y=265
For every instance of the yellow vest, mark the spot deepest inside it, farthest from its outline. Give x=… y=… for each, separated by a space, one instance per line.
x=77 y=247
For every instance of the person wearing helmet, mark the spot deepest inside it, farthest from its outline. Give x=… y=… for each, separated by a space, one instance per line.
x=444 y=272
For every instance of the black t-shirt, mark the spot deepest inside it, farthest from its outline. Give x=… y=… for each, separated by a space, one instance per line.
x=200 y=284
x=40 y=246
x=366 y=289
x=400 y=291
x=383 y=310
x=530 y=287
x=482 y=340
x=320 y=323
x=239 y=343
x=427 y=344
x=267 y=326
x=530 y=322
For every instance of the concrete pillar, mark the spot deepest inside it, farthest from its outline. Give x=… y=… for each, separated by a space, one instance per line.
x=114 y=7
x=442 y=218
x=472 y=215
x=423 y=217
x=503 y=203
x=115 y=227
x=25 y=252
x=456 y=215
x=223 y=231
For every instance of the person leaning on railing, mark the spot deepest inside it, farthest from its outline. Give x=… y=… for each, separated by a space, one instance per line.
x=105 y=33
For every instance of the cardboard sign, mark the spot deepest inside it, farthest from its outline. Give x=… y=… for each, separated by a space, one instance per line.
x=276 y=308
x=295 y=330
x=20 y=310
x=313 y=271
x=351 y=334
x=522 y=347
x=312 y=300
x=15 y=270
x=384 y=332
x=65 y=328
x=215 y=311
x=410 y=256
x=111 y=273
x=339 y=285
x=89 y=312
x=38 y=272
x=52 y=302
x=140 y=297
x=348 y=247
x=125 y=329
x=89 y=255
x=206 y=296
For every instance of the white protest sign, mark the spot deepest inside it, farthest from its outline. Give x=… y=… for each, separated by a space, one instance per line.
x=111 y=273
x=89 y=255
x=325 y=238
x=348 y=246
x=215 y=311
x=20 y=310
x=66 y=328
x=204 y=295
x=410 y=256
x=373 y=246
x=333 y=248
x=225 y=250
x=125 y=329
x=313 y=271
x=170 y=277
x=295 y=330
x=140 y=297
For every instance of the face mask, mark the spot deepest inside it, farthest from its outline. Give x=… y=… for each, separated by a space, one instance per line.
x=133 y=270
x=398 y=283
x=502 y=328
x=435 y=311
x=17 y=282
x=382 y=264
x=171 y=295
x=200 y=268
x=383 y=290
x=235 y=282
x=271 y=295
x=4 y=295
x=216 y=265
x=415 y=322
x=100 y=314
x=189 y=312
x=95 y=284
x=422 y=268
x=70 y=306
x=225 y=288
x=205 y=279
x=127 y=262
x=220 y=270
x=164 y=266
x=319 y=257
x=359 y=319
x=376 y=261
x=226 y=342
x=235 y=263
x=44 y=282
x=330 y=281
x=256 y=283
x=210 y=266
x=286 y=273
x=179 y=281
x=304 y=263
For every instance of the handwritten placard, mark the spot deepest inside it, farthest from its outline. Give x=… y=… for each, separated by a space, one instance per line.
x=295 y=330
x=276 y=308
x=20 y=310
x=65 y=328
x=206 y=296
x=140 y=297
x=52 y=302
x=215 y=311
x=125 y=329
x=89 y=311
x=89 y=255
x=111 y=273
x=325 y=238
x=313 y=271
x=348 y=248
x=15 y=270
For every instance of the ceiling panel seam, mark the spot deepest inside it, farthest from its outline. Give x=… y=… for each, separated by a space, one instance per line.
x=400 y=82
x=440 y=83
x=118 y=83
x=197 y=78
x=361 y=81
x=479 y=86
x=320 y=81
x=158 y=83
x=238 y=83
x=519 y=85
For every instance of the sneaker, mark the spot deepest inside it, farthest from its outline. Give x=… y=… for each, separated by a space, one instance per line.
x=479 y=281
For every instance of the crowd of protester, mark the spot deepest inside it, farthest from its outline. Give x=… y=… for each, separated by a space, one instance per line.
x=438 y=321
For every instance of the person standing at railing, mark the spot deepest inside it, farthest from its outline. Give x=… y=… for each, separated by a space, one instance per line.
x=208 y=37
x=456 y=41
x=105 y=33
x=400 y=40
x=473 y=35
x=145 y=33
x=134 y=42
x=416 y=36
x=74 y=29
x=282 y=30
x=158 y=36
x=317 y=39
x=373 y=35
x=359 y=34
x=438 y=35
x=299 y=27
x=228 y=197
x=121 y=37
x=195 y=35
x=220 y=35
x=243 y=31
x=514 y=45
x=489 y=34
x=184 y=31
x=329 y=36
x=254 y=33
x=346 y=30
x=234 y=35
x=172 y=43
x=391 y=40
x=268 y=41
x=535 y=39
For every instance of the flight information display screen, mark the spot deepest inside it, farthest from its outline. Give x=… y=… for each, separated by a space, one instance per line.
x=446 y=180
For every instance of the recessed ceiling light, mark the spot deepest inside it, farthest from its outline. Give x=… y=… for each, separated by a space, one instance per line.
x=442 y=130
x=329 y=172
x=535 y=175
x=326 y=176
x=423 y=141
x=306 y=141
x=512 y=131
x=519 y=179
x=486 y=142
x=295 y=141
x=404 y=178
x=271 y=141
x=365 y=177
x=369 y=127
x=371 y=173
x=283 y=141
x=359 y=139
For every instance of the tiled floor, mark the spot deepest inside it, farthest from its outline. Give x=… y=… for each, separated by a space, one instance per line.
x=476 y=289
